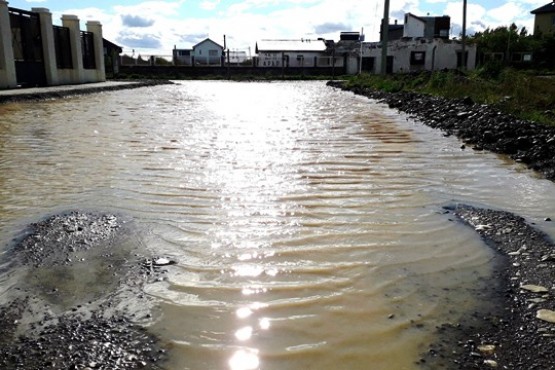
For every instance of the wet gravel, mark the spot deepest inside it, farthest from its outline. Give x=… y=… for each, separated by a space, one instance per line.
x=77 y=301
x=506 y=331
x=60 y=238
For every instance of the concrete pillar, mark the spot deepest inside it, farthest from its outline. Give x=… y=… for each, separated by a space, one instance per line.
x=48 y=47
x=96 y=28
x=72 y=22
x=8 y=77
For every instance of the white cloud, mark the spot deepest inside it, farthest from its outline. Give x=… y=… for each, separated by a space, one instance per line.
x=506 y=13
x=182 y=23
x=209 y=5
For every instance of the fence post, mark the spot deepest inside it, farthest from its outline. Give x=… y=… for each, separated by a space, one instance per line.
x=96 y=28
x=72 y=22
x=8 y=77
x=48 y=47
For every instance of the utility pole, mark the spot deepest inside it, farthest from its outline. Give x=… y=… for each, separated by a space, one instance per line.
x=361 y=40
x=463 y=55
x=385 y=36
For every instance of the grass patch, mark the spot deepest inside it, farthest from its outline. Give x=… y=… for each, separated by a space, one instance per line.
x=520 y=93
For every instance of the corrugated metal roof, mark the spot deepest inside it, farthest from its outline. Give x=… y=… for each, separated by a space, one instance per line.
x=291 y=45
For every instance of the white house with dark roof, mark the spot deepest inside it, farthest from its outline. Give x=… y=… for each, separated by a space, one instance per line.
x=208 y=53
x=205 y=53
x=292 y=53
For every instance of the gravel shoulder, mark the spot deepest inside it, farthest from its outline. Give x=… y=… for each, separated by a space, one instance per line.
x=514 y=328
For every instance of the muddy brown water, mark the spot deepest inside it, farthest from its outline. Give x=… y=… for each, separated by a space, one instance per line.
x=307 y=222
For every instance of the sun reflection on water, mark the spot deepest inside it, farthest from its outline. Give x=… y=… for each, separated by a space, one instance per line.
x=248 y=358
x=245 y=359
x=252 y=167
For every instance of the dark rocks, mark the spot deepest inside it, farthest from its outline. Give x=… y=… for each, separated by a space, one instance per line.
x=478 y=125
x=73 y=343
x=78 y=300
x=56 y=240
x=514 y=328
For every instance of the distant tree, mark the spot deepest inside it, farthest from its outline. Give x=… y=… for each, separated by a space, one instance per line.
x=506 y=41
x=544 y=53
x=159 y=61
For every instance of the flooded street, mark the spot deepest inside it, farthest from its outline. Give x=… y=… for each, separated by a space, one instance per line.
x=306 y=222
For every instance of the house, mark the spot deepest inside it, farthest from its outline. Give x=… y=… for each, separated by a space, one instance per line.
x=419 y=54
x=111 y=57
x=236 y=56
x=544 y=19
x=426 y=27
x=182 y=57
x=349 y=48
x=208 y=53
x=205 y=53
x=292 y=53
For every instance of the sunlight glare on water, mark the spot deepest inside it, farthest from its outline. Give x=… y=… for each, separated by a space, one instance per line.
x=307 y=223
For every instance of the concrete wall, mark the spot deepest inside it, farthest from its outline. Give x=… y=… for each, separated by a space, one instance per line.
x=177 y=72
x=296 y=59
x=414 y=27
x=54 y=76
x=8 y=77
x=544 y=24
x=438 y=54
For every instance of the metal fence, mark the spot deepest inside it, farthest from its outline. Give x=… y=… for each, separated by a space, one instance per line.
x=26 y=36
x=87 y=46
x=27 y=47
x=62 y=45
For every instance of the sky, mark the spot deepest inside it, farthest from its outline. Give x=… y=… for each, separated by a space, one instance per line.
x=154 y=27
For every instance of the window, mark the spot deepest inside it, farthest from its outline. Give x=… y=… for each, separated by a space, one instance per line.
x=417 y=57
x=213 y=53
x=527 y=57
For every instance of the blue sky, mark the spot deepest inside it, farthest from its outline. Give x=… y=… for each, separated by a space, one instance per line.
x=155 y=27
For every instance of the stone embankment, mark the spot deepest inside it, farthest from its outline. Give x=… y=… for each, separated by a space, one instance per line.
x=75 y=298
x=515 y=327
x=479 y=126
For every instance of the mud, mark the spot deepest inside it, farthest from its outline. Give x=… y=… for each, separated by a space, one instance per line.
x=76 y=298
